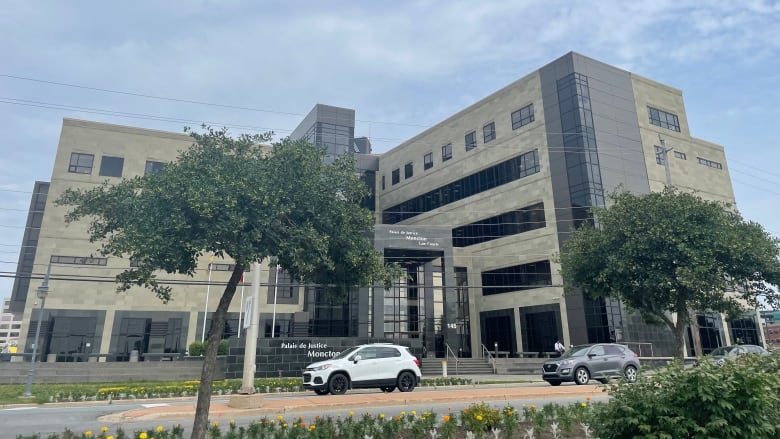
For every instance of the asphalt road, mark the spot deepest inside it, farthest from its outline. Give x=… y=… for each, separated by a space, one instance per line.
x=79 y=417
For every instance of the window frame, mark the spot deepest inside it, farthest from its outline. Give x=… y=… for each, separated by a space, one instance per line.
x=109 y=163
x=472 y=142
x=76 y=167
x=395 y=177
x=446 y=152
x=408 y=170
x=522 y=120
x=489 y=132
x=428 y=160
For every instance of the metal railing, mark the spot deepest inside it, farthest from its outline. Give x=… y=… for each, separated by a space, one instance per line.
x=447 y=353
x=491 y=360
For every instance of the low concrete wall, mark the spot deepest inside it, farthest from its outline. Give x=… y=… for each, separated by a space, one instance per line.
x=93 y=372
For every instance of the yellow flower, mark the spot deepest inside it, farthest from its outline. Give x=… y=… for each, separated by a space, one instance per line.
x=403 y=413
x=414 y=413
x=232 y=422
x=284 y=425
x=312 y=427
x=110 y=437
x=446 y=418
x=533 y=407
x=216 y=423
x=280 y=417
x=479 y=418
x=159 y=428
x=88 y=433
x=381 y=416
x=142 y=435
x=584 y=404
x=103 y=429
x=351 y=413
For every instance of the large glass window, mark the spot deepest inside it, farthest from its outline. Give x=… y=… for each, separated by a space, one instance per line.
x=489 y=132
x=471 y=140
x=660 y=155
x=446 y=152
x=81 y=163
x=664 y=119
x=111 y=166
x=396 y=177
x=506 y=224
x=523 y=116
x=709 y=163
x=516 y=278
x=408 y=170
x=486 y=179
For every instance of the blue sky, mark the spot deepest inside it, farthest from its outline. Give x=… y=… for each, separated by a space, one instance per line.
x=401 y=65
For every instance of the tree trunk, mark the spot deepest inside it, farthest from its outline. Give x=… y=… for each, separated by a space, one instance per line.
x=200 y=425
x=695 y=333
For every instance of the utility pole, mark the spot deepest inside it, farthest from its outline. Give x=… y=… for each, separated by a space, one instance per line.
x=42 y=292
x=663 y=155
x=250 y=342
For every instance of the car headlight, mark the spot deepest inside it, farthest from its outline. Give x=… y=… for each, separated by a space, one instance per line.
x=323 y=367
x=567 y=362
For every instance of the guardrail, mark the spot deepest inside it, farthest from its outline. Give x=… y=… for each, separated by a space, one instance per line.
x=491 y=360
x=447 y=353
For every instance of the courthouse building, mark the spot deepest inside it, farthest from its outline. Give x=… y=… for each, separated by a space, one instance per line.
x=474 y=209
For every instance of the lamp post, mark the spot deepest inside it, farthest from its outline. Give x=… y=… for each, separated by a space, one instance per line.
x=41 y=292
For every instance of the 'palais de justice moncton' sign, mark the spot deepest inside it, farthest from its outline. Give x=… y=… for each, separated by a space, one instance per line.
x=411 y=235
x=312 y=349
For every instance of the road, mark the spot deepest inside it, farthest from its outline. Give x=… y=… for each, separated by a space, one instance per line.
x=79 y=417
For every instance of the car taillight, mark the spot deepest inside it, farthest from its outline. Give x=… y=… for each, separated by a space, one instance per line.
x=417 y=362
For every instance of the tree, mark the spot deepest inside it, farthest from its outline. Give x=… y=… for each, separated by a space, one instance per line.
x=670 y=252
x=234 y=198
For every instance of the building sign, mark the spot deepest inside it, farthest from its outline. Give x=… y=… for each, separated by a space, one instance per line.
x=315 y=350
x=412 y=235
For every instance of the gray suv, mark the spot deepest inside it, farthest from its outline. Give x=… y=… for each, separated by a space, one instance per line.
x=598 y=361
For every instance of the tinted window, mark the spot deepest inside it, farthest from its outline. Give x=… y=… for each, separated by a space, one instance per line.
x=428 y=161
x=408 y=170
x=153 y=167
x=446 y=152
x=111 y=166
x=597 y=350
x=396 y=176
x=489 y=132
x=368 y=353
x=613 y=350
x=471 y=140
x=387 y=352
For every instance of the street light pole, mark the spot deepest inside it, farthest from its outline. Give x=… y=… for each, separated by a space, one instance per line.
x=42 y=292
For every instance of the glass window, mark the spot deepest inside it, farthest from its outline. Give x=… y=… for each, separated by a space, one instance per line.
x=153 y=167
x=446 y=152
x=396 y=177
x=516 y=278
x=383 y=182
x=471 y=140
x=513 y=169
x=387 y=352
x=710 y=163
x=78 y=260
x=111 y=166
x=680 y=155
x=408 y=170
x=368 y=353
x=428 y=161
x=489 y=132
x=81 y=163
x=664 y=119
x=597 y=350
x=523 y=116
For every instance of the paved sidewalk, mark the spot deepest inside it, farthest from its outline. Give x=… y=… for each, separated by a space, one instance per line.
x=274 y=404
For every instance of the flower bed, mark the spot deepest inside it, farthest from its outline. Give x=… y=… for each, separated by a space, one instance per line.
x=478 y=421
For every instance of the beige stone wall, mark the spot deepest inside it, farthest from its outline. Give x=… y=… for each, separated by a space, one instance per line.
x=527 y=247
x=687 y=174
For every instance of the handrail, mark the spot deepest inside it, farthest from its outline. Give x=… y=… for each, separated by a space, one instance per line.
x=446 y=355
x=490 y=358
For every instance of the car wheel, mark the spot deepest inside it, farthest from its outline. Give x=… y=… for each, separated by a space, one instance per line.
x=338 y=384
x=321 y=391
x=406 y=382
x=387 y=389
x=581 y=376
x=631 y=373
x=554 y=382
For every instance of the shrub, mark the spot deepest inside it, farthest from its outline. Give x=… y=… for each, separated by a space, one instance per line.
x=738 y=400
x=480 y=418
x=198 y=348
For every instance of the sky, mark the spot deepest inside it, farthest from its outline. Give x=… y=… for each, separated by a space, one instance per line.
x=403 y=66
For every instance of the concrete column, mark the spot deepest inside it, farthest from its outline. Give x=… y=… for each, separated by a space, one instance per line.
x=108 y=329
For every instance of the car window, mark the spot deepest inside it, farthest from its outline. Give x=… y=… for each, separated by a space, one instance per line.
x=597 y=350
x=367 y=353
x=387 y=352
x=576 y=351
x=722 y=351
x=613 y=350
x=346 y=353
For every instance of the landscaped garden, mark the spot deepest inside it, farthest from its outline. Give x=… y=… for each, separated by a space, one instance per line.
x=735 y=400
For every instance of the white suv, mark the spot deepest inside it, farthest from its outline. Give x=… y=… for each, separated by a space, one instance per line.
x=380 y=365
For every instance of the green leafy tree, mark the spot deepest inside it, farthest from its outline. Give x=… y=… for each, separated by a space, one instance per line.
x=670 y=252
x=234 y=198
